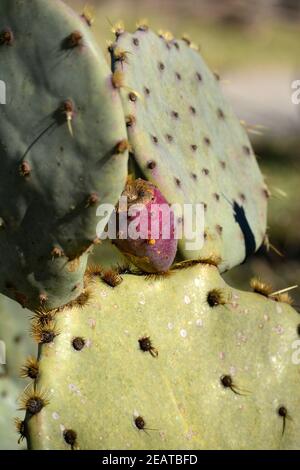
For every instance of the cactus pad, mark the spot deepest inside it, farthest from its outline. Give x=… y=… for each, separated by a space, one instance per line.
x=183 y=362
x=62 y=150
x=186 y=139
x=14 y=332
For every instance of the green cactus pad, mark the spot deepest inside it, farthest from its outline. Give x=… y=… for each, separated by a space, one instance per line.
x=14 y=331
x=60 y=152
x=102 y=376
x=186 y=139
x=18 y=346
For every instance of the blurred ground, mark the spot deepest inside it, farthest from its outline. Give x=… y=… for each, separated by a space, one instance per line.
x=254 y=46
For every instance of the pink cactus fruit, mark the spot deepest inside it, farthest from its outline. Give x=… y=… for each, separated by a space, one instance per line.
x=146 y=227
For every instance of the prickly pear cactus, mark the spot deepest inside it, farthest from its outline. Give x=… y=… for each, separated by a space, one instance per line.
x=14 y=331
x=184 y=362
x=186 y=139
x=63 y=150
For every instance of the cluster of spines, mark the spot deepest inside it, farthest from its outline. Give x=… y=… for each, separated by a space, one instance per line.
x=260 y=287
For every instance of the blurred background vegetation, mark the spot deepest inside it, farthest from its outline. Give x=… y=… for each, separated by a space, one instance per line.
x=254 y=46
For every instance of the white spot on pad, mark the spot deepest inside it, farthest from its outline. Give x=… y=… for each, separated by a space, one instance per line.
x=183 y=333
x=190 y=434
x=278 y=308
x=187 y=300
x=198 y=282
x=92 y=323
x=74 y=389
x=199 y=323
x=55 y=415
x=274 y=359
x=170 y=326
x=278 y=329
x=241 y=338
